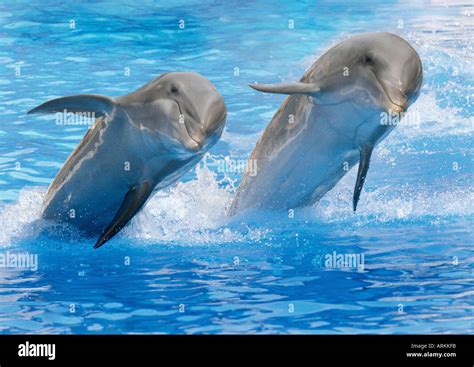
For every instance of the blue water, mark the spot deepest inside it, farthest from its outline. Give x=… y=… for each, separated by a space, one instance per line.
x=182 y=266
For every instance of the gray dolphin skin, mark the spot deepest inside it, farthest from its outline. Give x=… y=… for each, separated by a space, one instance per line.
x=331 y=120
x=139 y=143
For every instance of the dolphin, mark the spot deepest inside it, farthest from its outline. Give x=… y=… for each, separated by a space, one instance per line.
x=139 y=143
x=331 y=120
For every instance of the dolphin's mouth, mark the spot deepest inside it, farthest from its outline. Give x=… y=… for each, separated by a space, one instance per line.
x=398 y=108
x=188 y=130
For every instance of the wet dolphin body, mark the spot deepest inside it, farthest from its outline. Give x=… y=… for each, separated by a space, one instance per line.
x=331 y=120
x=139 y=143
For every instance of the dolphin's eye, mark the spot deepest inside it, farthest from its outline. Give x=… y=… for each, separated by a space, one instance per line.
x=174 y=89
x=367 y=59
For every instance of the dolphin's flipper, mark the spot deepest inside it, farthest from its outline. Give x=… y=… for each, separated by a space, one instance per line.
x=287 y=88
x=100 y=105
x=365 y=153
x=132 y=203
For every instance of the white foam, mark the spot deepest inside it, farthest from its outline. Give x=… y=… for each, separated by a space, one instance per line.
x=18 y=218
x=383 y=205
x=189 y=213
x=435 y=121
x=195 y=212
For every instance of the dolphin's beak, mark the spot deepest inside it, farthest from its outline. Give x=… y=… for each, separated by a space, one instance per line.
x=206 y=126
x=395 y=101
x=192 y=121
x=398 y=103
x=397 y=108
x=188 y=116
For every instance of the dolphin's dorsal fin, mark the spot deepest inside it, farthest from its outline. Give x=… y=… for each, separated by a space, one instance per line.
x=309 y=89
x=131 y=204
x=100 y=105
x=365 y=153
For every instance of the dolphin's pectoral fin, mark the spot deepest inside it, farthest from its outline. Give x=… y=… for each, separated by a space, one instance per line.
x=287 y=88
x=99 y=105
x=132 y=203
x=365 y=153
